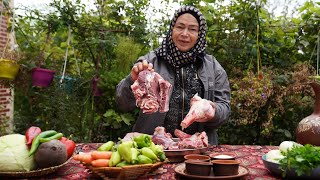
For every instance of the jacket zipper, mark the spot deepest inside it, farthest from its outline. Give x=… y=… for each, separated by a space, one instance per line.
x=182 y=77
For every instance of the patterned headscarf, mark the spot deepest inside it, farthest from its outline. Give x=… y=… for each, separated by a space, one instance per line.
x=168 y=50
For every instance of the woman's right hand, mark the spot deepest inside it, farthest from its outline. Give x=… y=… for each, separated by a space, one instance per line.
x=140 y=66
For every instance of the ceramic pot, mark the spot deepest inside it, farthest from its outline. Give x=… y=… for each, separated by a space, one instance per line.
x=197 y=157
x=42 y=77
x=225 y=167
x=308 y=129
x=8 y=69
x=200 y=168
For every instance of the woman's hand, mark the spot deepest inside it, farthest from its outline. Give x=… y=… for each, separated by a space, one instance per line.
x=140 y=66
x=201 y=110
x=210 y=112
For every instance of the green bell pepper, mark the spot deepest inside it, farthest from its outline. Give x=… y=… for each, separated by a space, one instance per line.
x=142 y=159
x=149 y=153
x=114 y=159
x=106 y=146
x=125 y=150
x=143 y=140
x=134 y=158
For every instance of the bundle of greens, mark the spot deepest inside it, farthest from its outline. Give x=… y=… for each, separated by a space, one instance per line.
x=301 y=159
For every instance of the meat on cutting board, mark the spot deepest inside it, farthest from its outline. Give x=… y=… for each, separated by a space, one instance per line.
x=200 y=109
x=151 y=92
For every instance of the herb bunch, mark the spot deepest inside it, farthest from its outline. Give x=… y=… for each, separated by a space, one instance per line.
x=301 y=159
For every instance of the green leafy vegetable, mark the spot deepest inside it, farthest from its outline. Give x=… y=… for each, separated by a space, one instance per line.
x=301 y=159
x=14 y=154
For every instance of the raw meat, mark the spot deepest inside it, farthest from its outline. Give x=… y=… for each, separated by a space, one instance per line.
x=196 y=141
x=186 y=141
x=151 y=92
x=200 y=109
x=130 y=136
x=161 y=137
x=181 y=135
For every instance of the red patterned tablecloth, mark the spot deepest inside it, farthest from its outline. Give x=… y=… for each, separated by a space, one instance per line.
x=249 y=155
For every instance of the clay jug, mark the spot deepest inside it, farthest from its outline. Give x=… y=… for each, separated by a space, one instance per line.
x=308 y=129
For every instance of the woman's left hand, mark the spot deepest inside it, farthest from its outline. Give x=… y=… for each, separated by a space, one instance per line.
x=201 y=110
x=140 y=66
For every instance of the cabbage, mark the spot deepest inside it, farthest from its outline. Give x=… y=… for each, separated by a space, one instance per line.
x=14 y=154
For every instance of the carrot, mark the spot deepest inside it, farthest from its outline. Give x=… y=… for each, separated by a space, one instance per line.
x=100 y=163
x=101 y=154
x=87 y=159
x=76 y=157
x=83 y=157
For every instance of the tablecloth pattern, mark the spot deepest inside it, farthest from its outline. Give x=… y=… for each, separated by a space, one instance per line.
x=249 y=155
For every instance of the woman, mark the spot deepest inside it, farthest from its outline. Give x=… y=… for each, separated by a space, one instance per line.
x=182 y=61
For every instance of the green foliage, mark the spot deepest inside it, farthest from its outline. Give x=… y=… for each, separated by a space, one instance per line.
x=302 y=160
x=126 y=53
x=267 y=110
x=55 y=108
x=267 y=58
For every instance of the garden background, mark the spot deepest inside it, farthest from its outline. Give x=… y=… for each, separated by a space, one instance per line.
x=268 y=58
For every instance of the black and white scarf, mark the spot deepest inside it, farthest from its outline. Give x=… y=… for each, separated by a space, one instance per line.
x=168 y=50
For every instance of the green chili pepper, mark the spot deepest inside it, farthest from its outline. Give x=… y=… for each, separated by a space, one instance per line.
x=36 y=140
x=143 y=140
x=122 y=163
x=47 y=139
x=125 y=150
x=142 y=159
x=114 y=159
x=149 y=153
x=106 y=146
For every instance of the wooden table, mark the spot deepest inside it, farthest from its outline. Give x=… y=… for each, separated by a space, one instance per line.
x=249 y=155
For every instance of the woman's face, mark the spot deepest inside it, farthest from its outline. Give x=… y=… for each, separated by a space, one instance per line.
x=185 y=32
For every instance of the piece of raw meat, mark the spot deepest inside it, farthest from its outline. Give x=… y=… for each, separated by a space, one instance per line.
x=200 y=109
x=195 y=141
x=130 y=136
x=181 y=135
x=186 y=141
x=161 y=137
x=151 y=92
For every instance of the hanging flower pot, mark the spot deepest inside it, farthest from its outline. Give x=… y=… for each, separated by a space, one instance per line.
x=8 y=69
x=68 y=83
x=42 y=77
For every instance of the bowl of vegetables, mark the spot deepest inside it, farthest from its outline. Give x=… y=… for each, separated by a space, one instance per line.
x=294 y=160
